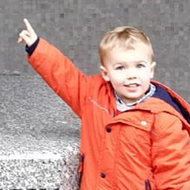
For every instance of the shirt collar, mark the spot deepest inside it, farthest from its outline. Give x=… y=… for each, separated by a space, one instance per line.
x=121 y=106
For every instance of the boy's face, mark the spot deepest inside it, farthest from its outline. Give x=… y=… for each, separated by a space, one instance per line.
x=129 y=71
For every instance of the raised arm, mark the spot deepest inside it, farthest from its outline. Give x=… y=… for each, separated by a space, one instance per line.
x=56 y=69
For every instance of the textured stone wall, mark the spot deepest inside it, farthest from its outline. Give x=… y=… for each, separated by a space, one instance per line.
x=76 y=28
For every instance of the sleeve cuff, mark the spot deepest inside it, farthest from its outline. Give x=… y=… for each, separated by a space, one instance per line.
x=30 y=49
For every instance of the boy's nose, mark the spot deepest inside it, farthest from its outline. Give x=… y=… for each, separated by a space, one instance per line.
x=132 y=77
x=131 y=74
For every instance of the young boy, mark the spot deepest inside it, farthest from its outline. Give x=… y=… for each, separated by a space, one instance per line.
x=135 y=131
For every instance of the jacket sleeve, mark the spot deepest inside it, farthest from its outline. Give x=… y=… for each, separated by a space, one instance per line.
x=170 y=153
x=60 y=74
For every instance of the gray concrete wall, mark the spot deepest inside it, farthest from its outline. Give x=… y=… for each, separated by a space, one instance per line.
x=76 y=28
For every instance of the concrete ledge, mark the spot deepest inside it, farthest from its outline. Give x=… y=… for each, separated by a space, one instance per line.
x=39 y=137
x=51 y=169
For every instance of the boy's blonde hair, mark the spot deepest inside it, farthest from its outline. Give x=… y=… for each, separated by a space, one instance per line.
x=123 y=37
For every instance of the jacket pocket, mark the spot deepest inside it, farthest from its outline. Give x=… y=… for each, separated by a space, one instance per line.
x=147 y=185
x=80 y=167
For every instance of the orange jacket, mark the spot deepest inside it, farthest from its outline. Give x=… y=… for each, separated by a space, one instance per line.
x=141 y=149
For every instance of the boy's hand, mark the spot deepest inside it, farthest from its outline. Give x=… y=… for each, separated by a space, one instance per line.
x=28 y=36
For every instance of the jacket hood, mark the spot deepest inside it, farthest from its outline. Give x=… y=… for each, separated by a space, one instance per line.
x=169 y=96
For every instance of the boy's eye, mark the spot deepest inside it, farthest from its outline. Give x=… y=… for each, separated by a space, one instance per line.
x=140 y=65
x=119 y=67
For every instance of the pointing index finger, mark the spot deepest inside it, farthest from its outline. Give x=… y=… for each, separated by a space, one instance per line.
x=28 y=26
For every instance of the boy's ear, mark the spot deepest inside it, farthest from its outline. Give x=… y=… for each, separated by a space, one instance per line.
x=104 y=73
x=153 y=65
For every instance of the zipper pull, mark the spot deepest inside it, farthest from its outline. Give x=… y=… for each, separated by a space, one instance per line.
x=147 y=185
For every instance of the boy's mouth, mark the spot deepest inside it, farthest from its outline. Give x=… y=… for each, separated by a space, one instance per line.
x=133 y=85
